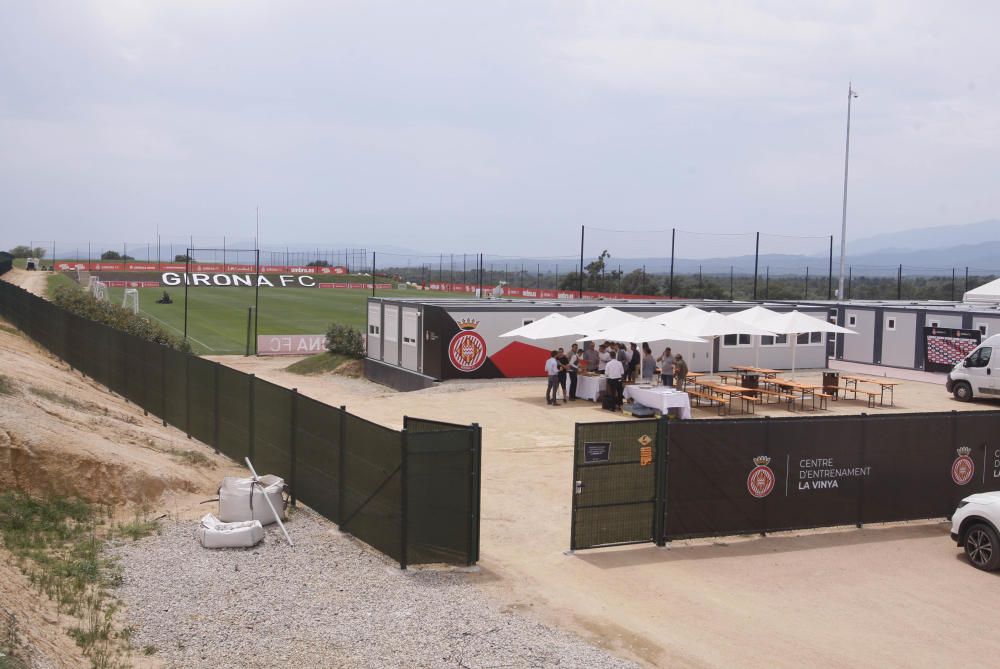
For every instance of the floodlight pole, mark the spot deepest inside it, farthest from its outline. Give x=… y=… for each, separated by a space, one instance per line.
x=256 y=297
x=673 y=238
x=187 y=276
x=373 y=274
x=582 y=232
x=756 y=265
x=829 y=279
x=843 y=223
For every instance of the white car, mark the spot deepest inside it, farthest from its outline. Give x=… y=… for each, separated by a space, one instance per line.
x=974 y=527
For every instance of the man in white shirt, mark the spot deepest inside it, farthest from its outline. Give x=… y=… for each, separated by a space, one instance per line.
x=603 y=356
x=552 y=371
x=615 y=370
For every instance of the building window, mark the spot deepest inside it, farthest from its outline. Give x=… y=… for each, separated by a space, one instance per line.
x=525 y=321
x=890 y=324
x=374 y=330
x=815 y=337
x=806 y=338
x=935 y=324
x=983 y=328
x=736 y=340
x=776 y=340
x=852 y=320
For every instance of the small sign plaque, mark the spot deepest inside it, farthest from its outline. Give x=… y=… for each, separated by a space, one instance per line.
x=596 y=451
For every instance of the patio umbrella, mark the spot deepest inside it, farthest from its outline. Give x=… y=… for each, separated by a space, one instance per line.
x=600 y=319
x=642 y=330
x=551 y=326
x=795 y=323
x=758 y=316
x=707 y=324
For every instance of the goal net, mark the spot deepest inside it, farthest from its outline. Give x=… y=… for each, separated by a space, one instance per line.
x=130 y=300
x=99 y=288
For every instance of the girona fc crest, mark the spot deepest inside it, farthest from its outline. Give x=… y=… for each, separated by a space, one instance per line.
x=467 y=349
x=963 y=468
x=760 y=482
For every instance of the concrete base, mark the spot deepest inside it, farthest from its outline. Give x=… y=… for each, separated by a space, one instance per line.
x=396 y=377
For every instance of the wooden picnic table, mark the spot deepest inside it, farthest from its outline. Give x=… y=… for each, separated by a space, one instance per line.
x=805 y=390
x=732 y=393
x=883 y=384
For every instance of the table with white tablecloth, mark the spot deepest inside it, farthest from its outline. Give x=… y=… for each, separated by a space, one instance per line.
x=590 y=387
x=660 y=398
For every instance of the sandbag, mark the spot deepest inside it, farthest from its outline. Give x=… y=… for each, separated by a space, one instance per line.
x=237 y=504
x=213 y=533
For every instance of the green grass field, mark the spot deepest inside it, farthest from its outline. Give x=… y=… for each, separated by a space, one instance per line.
x=217 y=317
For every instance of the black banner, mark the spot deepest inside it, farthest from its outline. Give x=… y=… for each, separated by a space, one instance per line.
x=748 y=476
x=945 y=347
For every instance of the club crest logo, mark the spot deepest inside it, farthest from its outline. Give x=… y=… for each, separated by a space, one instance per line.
x=760 y=482
x=963 y=468
x=467 y=349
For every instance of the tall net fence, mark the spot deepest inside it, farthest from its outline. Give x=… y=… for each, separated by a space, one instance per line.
x=351 y=470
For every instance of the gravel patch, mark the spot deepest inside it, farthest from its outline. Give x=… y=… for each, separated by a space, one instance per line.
x=329 y=602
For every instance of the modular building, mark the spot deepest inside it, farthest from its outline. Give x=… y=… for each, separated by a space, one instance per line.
x=411 y=343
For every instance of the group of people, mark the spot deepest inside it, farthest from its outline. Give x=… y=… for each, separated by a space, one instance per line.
x=617 y=361
x=560 y=367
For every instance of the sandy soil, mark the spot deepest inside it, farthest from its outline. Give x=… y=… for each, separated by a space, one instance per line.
x=61 y=433
x=33 y=282
x=881 y=596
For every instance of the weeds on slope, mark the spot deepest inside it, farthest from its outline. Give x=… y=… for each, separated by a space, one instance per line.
x=58 y=543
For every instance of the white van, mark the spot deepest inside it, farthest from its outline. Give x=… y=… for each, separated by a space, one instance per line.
x=979 y=374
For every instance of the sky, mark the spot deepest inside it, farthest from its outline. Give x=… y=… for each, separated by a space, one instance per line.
x=499 y=127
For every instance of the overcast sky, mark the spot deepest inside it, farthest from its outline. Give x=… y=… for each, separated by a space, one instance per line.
x=492 y=126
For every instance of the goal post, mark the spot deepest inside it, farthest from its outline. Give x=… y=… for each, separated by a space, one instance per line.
x=130 y=300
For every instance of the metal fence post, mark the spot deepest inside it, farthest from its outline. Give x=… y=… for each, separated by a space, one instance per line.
x=251 y=437
x=215 y=407
x=576 y=464
x=403 y=501
x=341 y=447
x=861 y=493
x=293 y=428
x=163 y=384
x=476 y=434
x=187 y=394
x=660 y=503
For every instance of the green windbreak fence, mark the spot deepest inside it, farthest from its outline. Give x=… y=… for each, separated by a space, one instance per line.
x=412 y=494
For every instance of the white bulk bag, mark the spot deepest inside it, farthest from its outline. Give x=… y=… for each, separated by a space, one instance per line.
x=236 y=503
x=215 y=534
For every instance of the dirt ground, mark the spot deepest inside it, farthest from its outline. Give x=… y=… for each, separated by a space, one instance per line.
x=61 y=433
x=33 y=282
x=892 y=595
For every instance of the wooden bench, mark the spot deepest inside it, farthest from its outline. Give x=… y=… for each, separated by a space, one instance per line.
x=780 y=396
x=699 y=396
x=871 y=394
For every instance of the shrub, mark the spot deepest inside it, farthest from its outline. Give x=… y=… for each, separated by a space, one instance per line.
x=345 y=340
x=81 y=303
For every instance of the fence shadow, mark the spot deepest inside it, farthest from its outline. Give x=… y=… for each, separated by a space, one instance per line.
x=751 y=546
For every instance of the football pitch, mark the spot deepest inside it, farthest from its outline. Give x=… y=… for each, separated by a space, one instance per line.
x=217 y=316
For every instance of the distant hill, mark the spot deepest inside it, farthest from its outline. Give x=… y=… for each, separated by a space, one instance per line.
x=916 y=239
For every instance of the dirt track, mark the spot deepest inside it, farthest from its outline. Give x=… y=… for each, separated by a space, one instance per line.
x=881 y=596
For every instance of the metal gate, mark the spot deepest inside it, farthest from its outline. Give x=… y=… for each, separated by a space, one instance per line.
x=619 y=483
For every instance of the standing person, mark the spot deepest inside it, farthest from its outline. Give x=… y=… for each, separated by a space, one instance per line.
x=667 y=367
x=573 y=369
x=603 y=356
x=590 y=357
x=680 y=370
x=563 y=361
x=633 y=362
x=552 y=371
x=615 y=371
x=622 y=355
x=648 y=364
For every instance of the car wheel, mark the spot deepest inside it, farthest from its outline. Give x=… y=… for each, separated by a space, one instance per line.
x=963 y=391
x=982 y=546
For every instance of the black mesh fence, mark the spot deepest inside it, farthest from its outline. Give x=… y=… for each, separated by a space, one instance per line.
x=442 y=491
x=762 y=475
x=351 y=470
x=615 y=492
x=371 y=501
x=272 y=424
